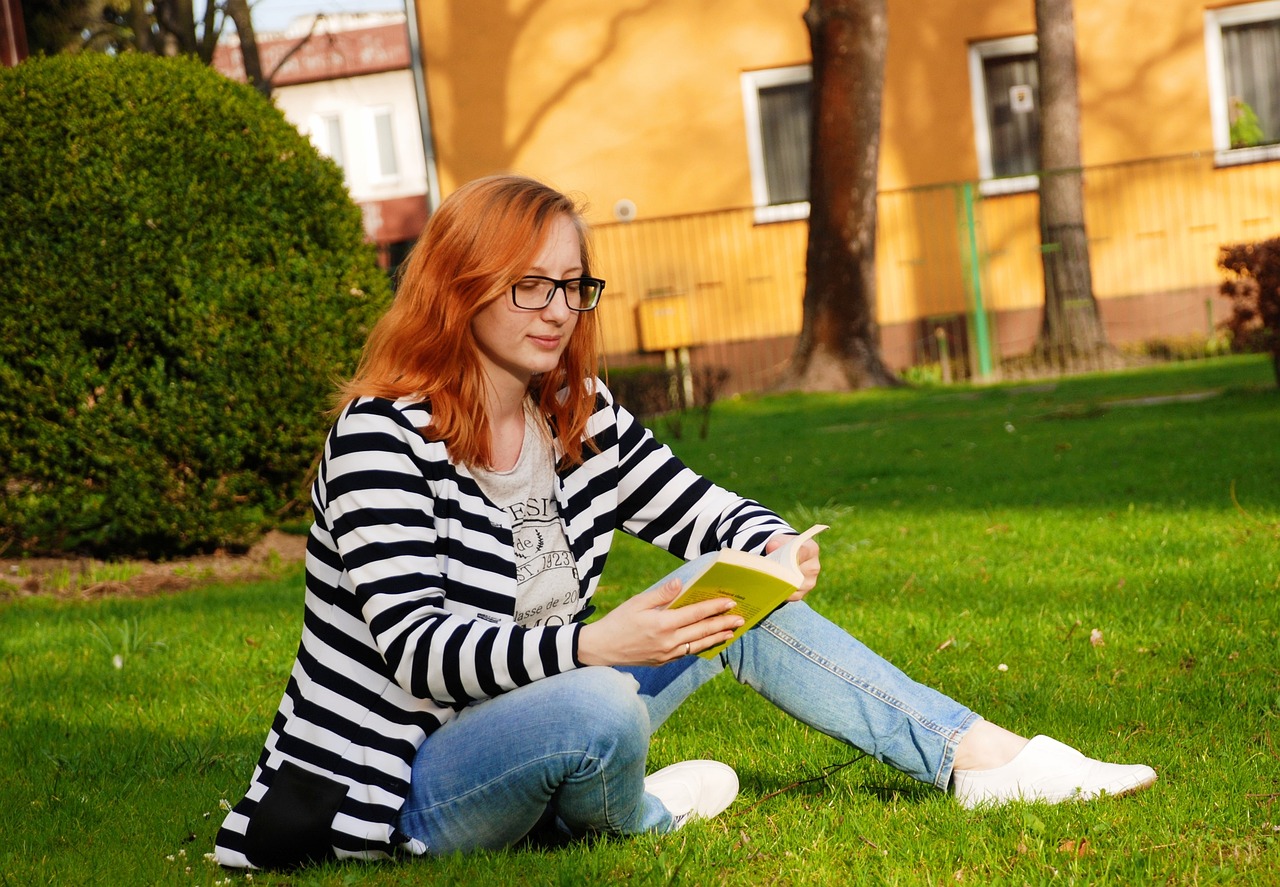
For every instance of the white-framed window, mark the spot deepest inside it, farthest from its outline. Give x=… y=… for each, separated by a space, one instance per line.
x=1242 y=46
x=1005 y=91
x=385 y=143
x=327 y=136
x=776 y=103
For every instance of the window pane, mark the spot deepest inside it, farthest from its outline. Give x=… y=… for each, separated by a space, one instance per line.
x=784 y=133
x=1015 y=125
x=1252 y=56
x=386 y=145
x=333 y=139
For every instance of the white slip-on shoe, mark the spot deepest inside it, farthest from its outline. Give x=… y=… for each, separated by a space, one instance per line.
x=1049 y=772
x=693 y=789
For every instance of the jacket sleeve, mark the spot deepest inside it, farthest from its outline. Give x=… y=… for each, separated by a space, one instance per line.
x=428 y=602
x=666 y=503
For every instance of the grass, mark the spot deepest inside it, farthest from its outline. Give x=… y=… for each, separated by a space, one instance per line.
x=71 y=578
x=1097 y=558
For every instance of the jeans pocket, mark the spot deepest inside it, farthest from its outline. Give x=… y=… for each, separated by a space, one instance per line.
x=291 y=824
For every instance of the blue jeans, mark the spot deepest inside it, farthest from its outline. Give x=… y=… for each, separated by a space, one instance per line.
x=573 y=746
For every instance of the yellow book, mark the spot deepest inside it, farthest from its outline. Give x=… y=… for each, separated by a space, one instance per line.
x=759 y=583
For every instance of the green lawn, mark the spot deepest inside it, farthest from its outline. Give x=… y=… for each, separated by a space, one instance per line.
x=1097 y=558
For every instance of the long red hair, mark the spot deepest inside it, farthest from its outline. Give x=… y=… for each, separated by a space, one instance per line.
x=482 y=239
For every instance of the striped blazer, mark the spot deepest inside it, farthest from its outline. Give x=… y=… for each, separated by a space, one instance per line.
x=410 y=596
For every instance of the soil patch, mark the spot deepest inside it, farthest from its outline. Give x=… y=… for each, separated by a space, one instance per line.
x=88 y=578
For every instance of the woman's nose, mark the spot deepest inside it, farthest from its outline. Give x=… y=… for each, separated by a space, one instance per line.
x=558 y=307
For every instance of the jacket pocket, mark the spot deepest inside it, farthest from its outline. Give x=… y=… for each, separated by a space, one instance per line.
x=291 y=824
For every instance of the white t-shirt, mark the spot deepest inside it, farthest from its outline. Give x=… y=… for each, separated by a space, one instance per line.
x=546 y=575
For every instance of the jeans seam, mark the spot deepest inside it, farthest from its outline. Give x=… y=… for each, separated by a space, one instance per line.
x=950 y=737
x=505 y=775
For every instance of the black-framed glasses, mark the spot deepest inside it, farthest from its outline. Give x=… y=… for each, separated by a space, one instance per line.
x=533 y=293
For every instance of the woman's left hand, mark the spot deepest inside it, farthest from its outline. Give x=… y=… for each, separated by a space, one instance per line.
x=808 y=561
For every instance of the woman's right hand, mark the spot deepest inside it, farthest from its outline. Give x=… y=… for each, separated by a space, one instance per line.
x=642 y=631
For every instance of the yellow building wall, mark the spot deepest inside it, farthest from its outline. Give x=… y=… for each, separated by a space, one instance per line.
x=1143 y=78
x=634 y=100
x=641 y=100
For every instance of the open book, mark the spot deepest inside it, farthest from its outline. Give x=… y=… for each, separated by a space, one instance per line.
x=759 y=583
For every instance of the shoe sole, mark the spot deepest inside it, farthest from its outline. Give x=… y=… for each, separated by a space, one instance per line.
x=1063 y=798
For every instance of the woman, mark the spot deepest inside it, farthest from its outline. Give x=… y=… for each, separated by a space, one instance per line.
x=448 y=694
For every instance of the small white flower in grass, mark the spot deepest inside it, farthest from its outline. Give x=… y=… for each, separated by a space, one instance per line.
x=117 y=660
x=1002 y=667
x=225 y=804
x=170 y=857
x=1008 y=426
x=1095 y=638
x=211 y=857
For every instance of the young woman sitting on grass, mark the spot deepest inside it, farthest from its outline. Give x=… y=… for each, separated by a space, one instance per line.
x=448 y=693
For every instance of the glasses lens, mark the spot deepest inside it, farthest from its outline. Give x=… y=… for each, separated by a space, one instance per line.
x=583 y=293
x=532 y=292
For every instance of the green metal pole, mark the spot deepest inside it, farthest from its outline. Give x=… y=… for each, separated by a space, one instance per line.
x=980 y=331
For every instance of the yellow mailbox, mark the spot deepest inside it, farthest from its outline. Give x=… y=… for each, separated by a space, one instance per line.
x=664 y=323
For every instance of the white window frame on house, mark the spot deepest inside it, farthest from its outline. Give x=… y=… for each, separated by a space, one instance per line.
x=327 y=126
x=376 y=115
x=978 y=53
x=1219 y=110
x=752 y=84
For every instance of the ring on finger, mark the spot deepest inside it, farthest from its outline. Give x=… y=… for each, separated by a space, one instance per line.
x=686 y=648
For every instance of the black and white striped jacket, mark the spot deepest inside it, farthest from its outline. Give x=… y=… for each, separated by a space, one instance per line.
x=410 y=596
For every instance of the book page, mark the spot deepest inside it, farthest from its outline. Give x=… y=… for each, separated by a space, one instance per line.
x=789 y=553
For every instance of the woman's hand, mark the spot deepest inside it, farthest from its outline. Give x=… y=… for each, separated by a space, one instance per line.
x=807 y=561
x=642 y=631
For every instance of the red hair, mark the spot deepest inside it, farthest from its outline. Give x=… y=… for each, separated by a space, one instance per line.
x=483 y=237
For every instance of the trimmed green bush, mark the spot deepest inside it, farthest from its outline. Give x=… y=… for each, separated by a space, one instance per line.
x=184 y=278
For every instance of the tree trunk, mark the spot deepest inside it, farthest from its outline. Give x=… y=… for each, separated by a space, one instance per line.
x=238 y=12
x=1072 y=327
x=839 y=343
x=185 y=30
x=140 y=24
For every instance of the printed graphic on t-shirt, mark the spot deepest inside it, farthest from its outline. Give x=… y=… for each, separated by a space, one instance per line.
x=546 y=596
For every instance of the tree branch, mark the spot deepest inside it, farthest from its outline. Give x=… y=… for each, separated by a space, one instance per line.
x=315 y=22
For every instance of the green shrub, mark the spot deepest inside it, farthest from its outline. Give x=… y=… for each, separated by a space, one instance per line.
x=184 y=277
x=1188 y=347
x=647 y=391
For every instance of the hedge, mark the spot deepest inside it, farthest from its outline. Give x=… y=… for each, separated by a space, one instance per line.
x=184 y=278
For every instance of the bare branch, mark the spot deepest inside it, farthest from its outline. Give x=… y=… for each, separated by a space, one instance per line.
x=315 y=22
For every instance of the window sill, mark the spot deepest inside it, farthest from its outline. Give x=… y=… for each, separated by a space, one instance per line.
x=1010 y=185
x=782 y=212
x=1241 y=156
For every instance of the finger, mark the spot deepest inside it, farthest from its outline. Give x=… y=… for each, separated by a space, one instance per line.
x=702 y=611
x=707 y=642
x=667 y=592
x=777 y=541
x=810 y=580
x=709 y=632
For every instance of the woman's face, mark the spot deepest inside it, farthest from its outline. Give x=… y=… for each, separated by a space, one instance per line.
x=514 y=343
